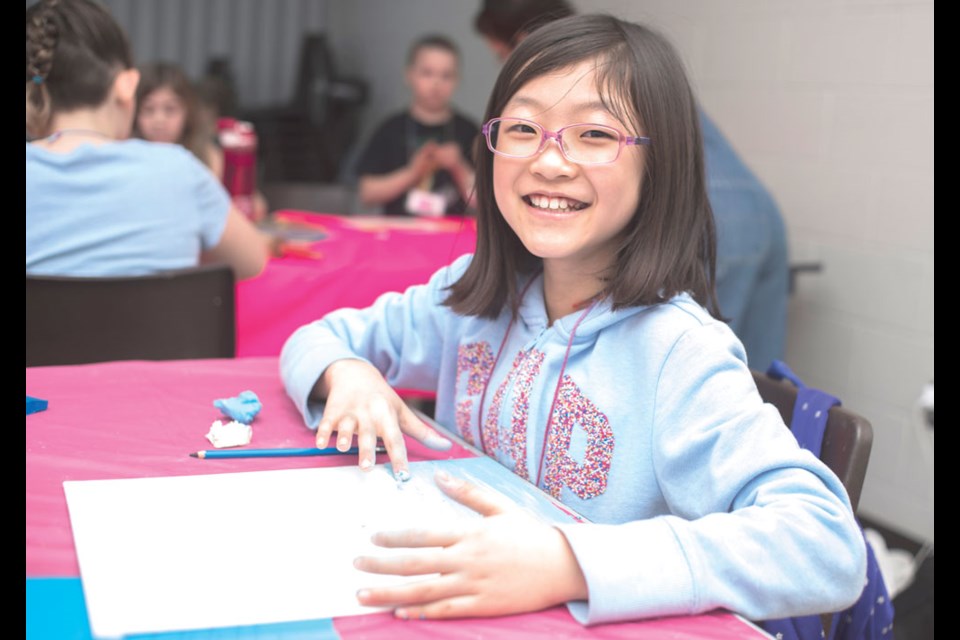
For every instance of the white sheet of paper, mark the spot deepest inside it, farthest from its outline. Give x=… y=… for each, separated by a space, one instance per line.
x=195 y=552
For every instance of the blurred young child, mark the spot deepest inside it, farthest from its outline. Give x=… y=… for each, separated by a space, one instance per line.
x=418 y=161
x=168 y=110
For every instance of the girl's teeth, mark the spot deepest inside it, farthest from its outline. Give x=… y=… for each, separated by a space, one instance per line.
x=553 y=204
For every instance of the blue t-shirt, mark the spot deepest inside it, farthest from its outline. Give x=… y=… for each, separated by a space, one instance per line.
x=124 y=208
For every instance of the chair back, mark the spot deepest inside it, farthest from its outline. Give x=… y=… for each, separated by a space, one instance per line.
x=847 y=438
x=184 y=313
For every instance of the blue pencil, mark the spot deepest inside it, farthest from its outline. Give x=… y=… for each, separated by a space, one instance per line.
x=277 y=453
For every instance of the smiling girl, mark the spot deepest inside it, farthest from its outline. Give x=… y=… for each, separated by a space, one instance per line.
x=580 y=347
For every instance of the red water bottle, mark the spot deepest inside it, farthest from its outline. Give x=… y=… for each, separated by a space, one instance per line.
x=239 y=142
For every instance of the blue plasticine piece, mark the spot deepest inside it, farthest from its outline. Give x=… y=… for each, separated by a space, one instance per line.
x=243 y=408
x=35 y=404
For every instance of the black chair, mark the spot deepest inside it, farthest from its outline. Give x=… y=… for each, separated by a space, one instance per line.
x=308 y=138
x=185 y=313
x=847 y=438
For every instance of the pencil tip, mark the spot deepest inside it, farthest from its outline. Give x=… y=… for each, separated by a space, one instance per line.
x=194 y=455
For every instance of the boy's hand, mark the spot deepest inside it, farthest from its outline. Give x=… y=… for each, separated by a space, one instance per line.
x=424 y=160
x=508 y=562
x=448 y=156
x=360 y=402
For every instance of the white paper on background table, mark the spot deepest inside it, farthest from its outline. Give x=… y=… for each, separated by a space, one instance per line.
x=195 y=552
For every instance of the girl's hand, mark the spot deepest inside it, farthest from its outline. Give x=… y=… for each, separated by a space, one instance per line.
x=360 y=402
x=508 y=562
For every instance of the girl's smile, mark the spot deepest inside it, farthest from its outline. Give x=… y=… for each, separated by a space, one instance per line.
x=554 y=203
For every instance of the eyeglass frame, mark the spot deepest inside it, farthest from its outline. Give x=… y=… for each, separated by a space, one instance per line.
x=546 y=135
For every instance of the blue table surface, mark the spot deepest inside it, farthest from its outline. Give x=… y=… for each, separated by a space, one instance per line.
x=65 y=597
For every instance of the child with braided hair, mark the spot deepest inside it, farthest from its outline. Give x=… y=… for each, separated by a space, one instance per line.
x=97 y=203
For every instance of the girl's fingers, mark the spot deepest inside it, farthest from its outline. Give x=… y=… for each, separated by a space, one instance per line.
x=346 y=426
x=367 y=444
x=377 y=418
x=387 y=424
x=411 y=564
x=416 y=428
x=416 y=538
x=457 y=606
x=323 y=433
x=397 y=452
x=411 y=593
x=483 y=501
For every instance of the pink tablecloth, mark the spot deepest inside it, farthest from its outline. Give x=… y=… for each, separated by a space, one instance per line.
x=141 y=419
x=360 y=259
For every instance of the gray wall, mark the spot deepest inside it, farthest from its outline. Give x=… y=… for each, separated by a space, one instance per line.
x=261 y=38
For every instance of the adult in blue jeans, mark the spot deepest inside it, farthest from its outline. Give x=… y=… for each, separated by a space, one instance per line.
x=752 y=269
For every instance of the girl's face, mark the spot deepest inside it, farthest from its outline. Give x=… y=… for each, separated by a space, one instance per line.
x=568 y=214
x=162 y=116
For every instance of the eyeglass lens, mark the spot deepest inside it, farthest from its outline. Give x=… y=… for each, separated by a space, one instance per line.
x=586 y=143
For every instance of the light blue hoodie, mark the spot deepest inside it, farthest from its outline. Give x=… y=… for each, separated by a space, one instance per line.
x=699 y=496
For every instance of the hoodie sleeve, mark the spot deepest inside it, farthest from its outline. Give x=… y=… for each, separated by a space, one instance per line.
x=757 y=525
x=401 y=334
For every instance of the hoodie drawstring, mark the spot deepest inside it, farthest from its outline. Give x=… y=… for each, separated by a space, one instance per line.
x=556 y=391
